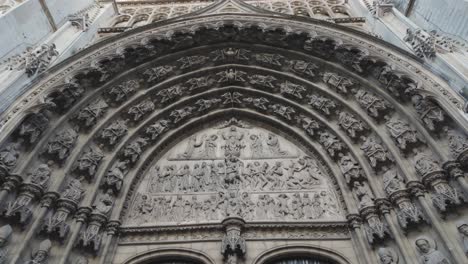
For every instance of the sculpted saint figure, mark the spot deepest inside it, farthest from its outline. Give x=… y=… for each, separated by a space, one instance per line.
x=363 y=194
x=183 y=178
x=41 y=175
x=429 y=253
x=387 y=256
x=211 y=146
x=192 y=144
x=73 y=191
x=41 y=255
x=393 y=181
x=462 y=227
x=256 y=145
x=233 y=145
x=105 y=203
x=274 y=146
x=8 y=158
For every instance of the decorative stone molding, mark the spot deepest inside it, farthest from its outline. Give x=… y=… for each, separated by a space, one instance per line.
x=33 y=61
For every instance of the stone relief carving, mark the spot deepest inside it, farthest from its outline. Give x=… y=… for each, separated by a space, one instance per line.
x=87 y=164
x=339 y=83
x=375 y=106
x=133 y=150
x=231 y=54
x=8 y=159
x=429 y=254
x=234 y=169
x=387 y=256
x=292 y=89
x=322 y=103
x=302 y=67
x=113 y=180
x=33 y=126
x=157 y=73
x=331 y=143
x=114 y=132
x=5 y=234
x=462 y=227
x=182 y=113
x=403 y=134
x=123 y=91
x=41 y=255
x=431 y=115
x=273 y=59
x=351 y=169
x=140 y=110
x=458 y=144
x=351 y=124
x=33 y=61
x=156 y=129
x=60 y=146
x=200 y=82
x=231 y=75
x=363 y=194
x=64 y=98
x=89 y=115
x=262 y=80
x=171 y=93
x=191 y=61
x=375 y=152
x=74 y=191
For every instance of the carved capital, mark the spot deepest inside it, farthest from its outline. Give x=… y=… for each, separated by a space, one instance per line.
x=113 y=227
x=384 y=205
x=354 y=220
x=453 y=169
x=12 y=182
x=368 y=211
x=83 y=213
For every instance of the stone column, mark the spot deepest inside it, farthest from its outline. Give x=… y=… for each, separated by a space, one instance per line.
x=354 y=221
x=417 y=189
x=11 y=184
x=81 y=216
x=233 y=246
x=112 y=230
x=453 y=169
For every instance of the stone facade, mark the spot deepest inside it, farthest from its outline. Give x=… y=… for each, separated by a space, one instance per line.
x=232 y=134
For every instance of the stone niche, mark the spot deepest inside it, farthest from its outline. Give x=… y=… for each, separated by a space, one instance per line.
x=234 y=169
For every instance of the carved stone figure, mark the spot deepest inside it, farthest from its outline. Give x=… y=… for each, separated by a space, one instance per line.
x=62 y=143
x=89 y=115
x=408 y=213
x=156 y=129
x=376 y=229
x=205 y=104
x=374 y=105
x=133 y=150
x=141 y=109
x=260 y=103
x=274 y=59
x=363 y=194
x=262 y=80
x=8 y=158
x=339 y=83
x=231 y=53
x=5 y=233
x=231 y=75
x=234 y=143
x=33 y=126
x=200 y=82
x=191 y=61
x=192 y=145
x=292 y=89
x=429 y=253
x=331 y=143
x=180 y=114
x=430 y=114
x=74 y=191
x=210 y=147
x=273 y=145
x=104 y=203
x=158 y=73
x=41 y=255
x=41 y=176
x=351 y=124
x=458 y=144
x=374 y=151
x=256 y=145
x=81 y=260
x=63 y=99
x=123 y=91
x=322 y=103
x=462 y=227
x=307 y=68
x=392 y=181
x=170 y=93
x=89 y=162
x=33 y=61
x=55 y=225
x=387 y=256
x=115 y=176
x=114 y=132
x=308 y=124
x=402 y=133
x=350 y=169
x=282 y=110
x=232 y=98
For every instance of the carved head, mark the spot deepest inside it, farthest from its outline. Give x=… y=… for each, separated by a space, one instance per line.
x=5 y=233
x=387 y=256
x=462 y=227
x=423 y=244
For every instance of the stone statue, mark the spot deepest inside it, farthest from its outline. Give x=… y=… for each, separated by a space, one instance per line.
x=192 y=145
x=104 y=203
x=33 y=126
x=425 y=164
x=89 y=115
x=183 y=178
x=263 y=80
x=115 y=176
x=458 y=143
x=62 y=144
x=308 y=124
x=170 y=93
x=133 y=150
x=307 y=68
x=387 y=256
x=158 y=73
x=322 y=103
x=5 y=233
x=331 y=143
x=115 y=131
x=273 y=145
x=210 y=147
x=339 y=83
x=156 y=129
x=260 y=102
x=393 y=181
x=350 y=124
x=56 y=225
x=256 y=145
x=74 y=191
x=141 y=109
x=182 y=113
x=373 y=104
x=205 y=104
x=41 y=255
x=231 y=75
x=430 y=114
x=402 y=133
x=89 y=162
x=429 y=253
x=8 y=158
x=41 y=176
x=293 y=89
x=462 y=227
x=286 y=112
x=374 y=151
x=350 y=168
x=233 y=144
x=363 y=194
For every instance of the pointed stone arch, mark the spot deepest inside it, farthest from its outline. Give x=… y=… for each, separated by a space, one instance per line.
x=100 y=101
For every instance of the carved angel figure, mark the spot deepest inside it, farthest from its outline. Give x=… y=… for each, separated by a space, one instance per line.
x=458 y=143
x=425 y=164
x=41 y=176
x=330 y=143
x=374 y=151
x=158 y=73
x=170 y=93
x=273 y=145
x=89 y=162
x=263 y=80
x=430 y=114
x=308 y=124
x=260 y=103
x=115 y=176
x=363 y=194
x=182 y=113
x=62 y=143
x=303 y=67
x=112 y=133
x=351 y=124
x=402 y=132
x=133 y=150
x=373 y=104
x=339 y=83
x=141 y=109
x=429 y=253
x=282 y=110
x=231 y=75
x=156 y=129
x=293 y=89
x=90 y=114
x=33 y=127
x=104 y=203
x=322 y=103
x=74 y=191
x=8 y=158
x=350 y=168
x=393 y=181
x=462 y=227
x=122 y=91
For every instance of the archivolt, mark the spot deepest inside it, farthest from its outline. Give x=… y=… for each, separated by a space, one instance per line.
x=351 y=89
